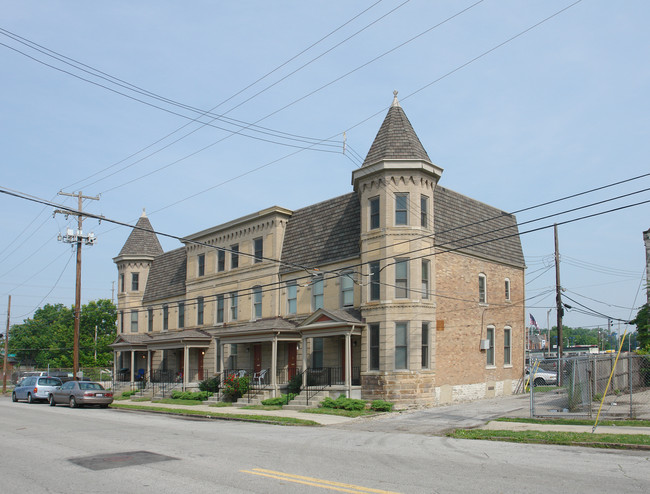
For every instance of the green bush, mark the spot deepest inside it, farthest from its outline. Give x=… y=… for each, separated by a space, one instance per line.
x=191 y=395
x=128 y=394
x=279 y=401
x=381 y=406
x=235 y=387
x=211 y=384
x=295 y=384
x=343 y=403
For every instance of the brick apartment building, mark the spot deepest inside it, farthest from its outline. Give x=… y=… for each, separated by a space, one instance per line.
x=401 y=290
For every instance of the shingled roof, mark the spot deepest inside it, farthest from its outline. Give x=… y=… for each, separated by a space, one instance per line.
x=396 y=139
x=142 y=241
x=323 y=233
x=167 y=276
x=470 y=226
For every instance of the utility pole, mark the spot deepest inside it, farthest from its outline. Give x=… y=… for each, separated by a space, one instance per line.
x=4 y=365
x=558 y=303
x=77 y=238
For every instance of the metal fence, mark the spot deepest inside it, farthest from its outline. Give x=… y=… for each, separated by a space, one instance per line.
x=582 y=382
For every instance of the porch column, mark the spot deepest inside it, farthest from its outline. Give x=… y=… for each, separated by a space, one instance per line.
x=148 y=372
x=304 y=361
x=221 y=357
x=348 y=363
x=274 y=365
x=115 y=352
x=132 y=363
x=186 y=360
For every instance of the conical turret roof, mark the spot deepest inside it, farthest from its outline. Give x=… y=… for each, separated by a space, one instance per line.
x=396 y=139
x=142 y=241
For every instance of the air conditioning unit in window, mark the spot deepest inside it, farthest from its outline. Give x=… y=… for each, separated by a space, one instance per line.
x=485 y=344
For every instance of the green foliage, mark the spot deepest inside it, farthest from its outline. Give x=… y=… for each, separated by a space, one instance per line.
x=381 y=406
x=343 y=403
x=191 y=395
x=211 y=384
x=128 y=394
x=642 y=321
x=295 y=384
x=235 y=387
x=279 y=401
x=47 y=338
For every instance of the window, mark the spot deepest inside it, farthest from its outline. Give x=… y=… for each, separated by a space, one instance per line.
x=122 y=287
x=292 y=297
x=401 y=209
x=258 y=248
x=181 y=315
x=425 y=278
x=506 y=347
x=374 y=347
x=507 y=289
x=221 y=260
x=257 y=302
x=490 y=351
x=135 y=282
x=234 y=298
x=234 y=256
x=165 y=317
x=374 y=212
x=317 y=353
x=375 y=280
x=347 y=290
x=482 y=289
x=134 y=321
x=233 y=357
x=317 y=292
x=220 y=308
x=401 y=346
x=122 y=321
x=401 y=278
x=425 y=345
x=199 y=311
x=424 y=211
x=150 y=320
x=201 y=264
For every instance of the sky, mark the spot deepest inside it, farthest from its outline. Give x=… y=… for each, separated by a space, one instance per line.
x=520 y=103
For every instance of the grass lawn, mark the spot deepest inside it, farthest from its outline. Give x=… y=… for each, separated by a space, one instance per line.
x=620 y=423
x=339 y=411
x=171 y=401
x=262 y=407
x=199 y=413
x=621 y=441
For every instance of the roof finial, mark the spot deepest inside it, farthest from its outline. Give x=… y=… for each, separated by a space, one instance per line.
x=144 y=213
x=395 y=102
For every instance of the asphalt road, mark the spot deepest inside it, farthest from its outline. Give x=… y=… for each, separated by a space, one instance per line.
x=67 y=450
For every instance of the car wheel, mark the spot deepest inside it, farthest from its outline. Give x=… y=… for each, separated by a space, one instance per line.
x=13 y=397
x=73 y=402
x=539 y=381
x=29 y=398
x=103 y=406
x=52 y=402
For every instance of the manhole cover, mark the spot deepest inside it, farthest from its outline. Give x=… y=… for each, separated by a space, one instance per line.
x=119 y=460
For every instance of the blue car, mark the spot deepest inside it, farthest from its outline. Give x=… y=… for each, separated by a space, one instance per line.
x=35 y=388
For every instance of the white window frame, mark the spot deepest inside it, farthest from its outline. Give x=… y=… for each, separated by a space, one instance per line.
x=347 y=289
x=372 y=215
x=489 y=352
x=402 y=344
x=134 y=321
x=402 y=283
x=220 y=313
x=424 y=211
x=482 y=288
x=507 y=289
x=292 y=297
x=426 y=279
x=317 y=293
x=507 y=346
x=402 y=209
x=257 y=302
x=234 y=303
x=426 y=345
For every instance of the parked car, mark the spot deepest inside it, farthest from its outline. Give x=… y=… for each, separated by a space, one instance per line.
x=63 y=375
x=542 y=377
x=80 y=393
x=35 y=388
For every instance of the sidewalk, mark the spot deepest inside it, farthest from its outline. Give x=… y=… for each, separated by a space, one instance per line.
x=518 y=426
x=315 y=417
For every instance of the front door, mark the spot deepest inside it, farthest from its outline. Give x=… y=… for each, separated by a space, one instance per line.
x=200 y=364
x=257 y=358
x=292 y=359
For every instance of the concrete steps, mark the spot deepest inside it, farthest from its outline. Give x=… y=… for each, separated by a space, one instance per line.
x=300 y=401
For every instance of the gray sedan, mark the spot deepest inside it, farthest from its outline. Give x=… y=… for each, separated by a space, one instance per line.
x=80 y=393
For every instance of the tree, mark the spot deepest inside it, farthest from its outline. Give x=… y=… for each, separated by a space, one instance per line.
x=642 y=322
x=47 y=339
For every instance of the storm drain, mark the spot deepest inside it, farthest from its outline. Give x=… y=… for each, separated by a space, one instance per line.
x=119 y=460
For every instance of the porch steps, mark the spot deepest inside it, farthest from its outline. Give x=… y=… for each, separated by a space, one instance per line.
x=300 y=401
x=256 y=399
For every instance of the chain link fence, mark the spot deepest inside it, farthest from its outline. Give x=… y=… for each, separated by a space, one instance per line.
x=582 y=382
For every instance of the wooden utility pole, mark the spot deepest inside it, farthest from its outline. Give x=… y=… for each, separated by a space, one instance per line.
x=558 y=303
x=78 y=238
x=4 y=365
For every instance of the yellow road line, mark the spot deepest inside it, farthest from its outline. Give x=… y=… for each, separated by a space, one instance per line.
x=325 y=484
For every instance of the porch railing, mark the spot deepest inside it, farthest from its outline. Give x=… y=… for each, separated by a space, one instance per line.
x=320 y=378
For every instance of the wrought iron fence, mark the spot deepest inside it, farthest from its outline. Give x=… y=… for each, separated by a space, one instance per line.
x=582 y=383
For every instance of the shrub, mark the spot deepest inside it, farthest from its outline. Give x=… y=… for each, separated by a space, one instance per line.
x=280 y=400
x=235 y=387
x=191 y=395
x=128 y=394
x=343 y=403
x=381 y=406
x=295 y=384
x=211 y=384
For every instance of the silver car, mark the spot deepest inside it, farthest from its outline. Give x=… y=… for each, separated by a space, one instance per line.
x=35 y=388
x=80 y=393
x=542 y=377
